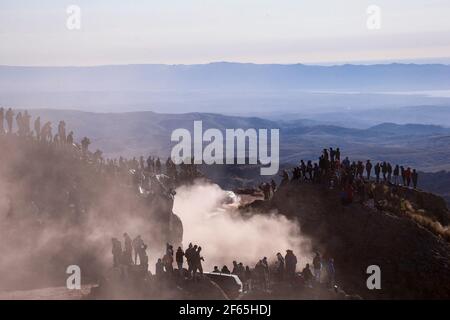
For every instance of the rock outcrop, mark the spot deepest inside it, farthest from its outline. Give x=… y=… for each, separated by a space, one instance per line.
x=414 y=260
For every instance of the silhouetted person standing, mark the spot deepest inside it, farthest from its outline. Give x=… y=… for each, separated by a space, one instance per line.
x=317 y=264
x=402 y=172
x=159 y=269
x=235 y=268
x=273 y=185
x=389 y=172
x=331 y=273
x=9 y=119
x=116 y=252
x=332 y=154
x=141 y=163
x=19 y=123
x=137 y=244
x=128 y=249
x=37 y=128
x=280 y=267
x=46 y=132
x=62 y=131
x=189 y=253
x=143 y=263
x=414 y=176
x=70 y=138
x=396 y=174
x=179 y=257
x=150 y=164
x=384 y=170
x=291 y=264
x=368 y=169
x=168 y=262
x=85 y=144
x=197 y=261
x=158 y=166
x=377 y=172
x=2 y=118
x=408 y=176
x=26 y=119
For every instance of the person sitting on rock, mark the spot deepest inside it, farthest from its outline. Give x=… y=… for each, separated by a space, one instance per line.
x=307 y=274
x=273 y=185
x=225 y=270
x=285 y=178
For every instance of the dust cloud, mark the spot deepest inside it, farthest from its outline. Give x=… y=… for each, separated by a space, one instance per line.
x=210 y=219
x=57 y=210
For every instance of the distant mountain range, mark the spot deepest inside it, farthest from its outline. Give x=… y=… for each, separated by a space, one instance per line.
x=357 y=118
x=228 y=76
x=425 y=147
x=223 y=87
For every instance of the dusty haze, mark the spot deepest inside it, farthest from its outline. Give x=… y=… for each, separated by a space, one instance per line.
x=225 y=235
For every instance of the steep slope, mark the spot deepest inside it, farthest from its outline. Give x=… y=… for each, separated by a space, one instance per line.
x=60 y=206
x=414 y=261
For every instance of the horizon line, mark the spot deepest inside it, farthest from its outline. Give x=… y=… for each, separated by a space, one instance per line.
x=318 y=64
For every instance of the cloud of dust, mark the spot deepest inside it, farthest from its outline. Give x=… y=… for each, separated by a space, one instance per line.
x=225 y=235
x=41 y=235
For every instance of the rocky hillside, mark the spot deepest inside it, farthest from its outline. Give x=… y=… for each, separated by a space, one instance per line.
x=61 y=206
x=396 y=230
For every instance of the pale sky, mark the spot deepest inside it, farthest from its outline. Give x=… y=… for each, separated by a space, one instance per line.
x=201 y=31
